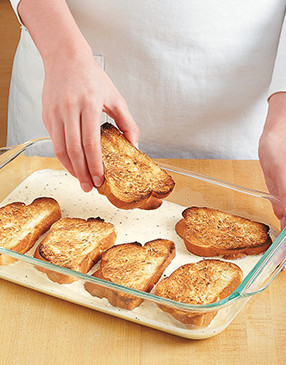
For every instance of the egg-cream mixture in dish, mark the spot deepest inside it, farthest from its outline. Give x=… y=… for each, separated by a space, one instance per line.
x=131 y=225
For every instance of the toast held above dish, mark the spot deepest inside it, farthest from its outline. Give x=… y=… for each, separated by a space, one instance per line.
x=132 y=179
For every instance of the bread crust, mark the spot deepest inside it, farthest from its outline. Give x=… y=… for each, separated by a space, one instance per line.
x=132 y=179
x=204 y=282
x=22 y=225
x=125 y=264
x=208 y=232
x=76 y=244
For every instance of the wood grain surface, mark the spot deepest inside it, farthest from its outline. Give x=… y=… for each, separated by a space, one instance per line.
x=9 y=36
x=39 y=329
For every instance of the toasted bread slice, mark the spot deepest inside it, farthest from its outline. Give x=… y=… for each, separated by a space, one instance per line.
x=132 y=179
x=21 y=225
x=132 y=265
x=209 y=232
x=76 y=244
x=204 y=282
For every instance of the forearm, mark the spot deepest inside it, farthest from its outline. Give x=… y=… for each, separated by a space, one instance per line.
x=53 y=29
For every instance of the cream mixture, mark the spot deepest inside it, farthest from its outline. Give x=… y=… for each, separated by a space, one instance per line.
x=131 y=225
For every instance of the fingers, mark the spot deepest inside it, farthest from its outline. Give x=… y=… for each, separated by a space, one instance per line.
x=90 y=129
x=118 y=110
x=57 y=134
x=273 y=190
x=81 y=156
x=72 y=109
x=75 y=150
x=60 y=149
x=77 y=144
x=280 y=181
x=275 y=178
x=282 y=223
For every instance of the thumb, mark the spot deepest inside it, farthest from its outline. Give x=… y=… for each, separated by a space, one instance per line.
x=118 y=110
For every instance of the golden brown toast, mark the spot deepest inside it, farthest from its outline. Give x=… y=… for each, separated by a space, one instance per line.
x=132 y=265
x=21 y=225
x=132 y=179
x=204 y=282
x=76 y=244
x=209 y=232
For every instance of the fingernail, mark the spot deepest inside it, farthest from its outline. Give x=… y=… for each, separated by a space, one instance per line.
x=86 y=187
x=97 y=181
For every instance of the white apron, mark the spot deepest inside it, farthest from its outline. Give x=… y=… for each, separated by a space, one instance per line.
x=196 y=74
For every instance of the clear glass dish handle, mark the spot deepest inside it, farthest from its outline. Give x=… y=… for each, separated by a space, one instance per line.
x=8 y=154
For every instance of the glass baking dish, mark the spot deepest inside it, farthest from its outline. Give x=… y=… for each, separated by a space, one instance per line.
x=30 y=170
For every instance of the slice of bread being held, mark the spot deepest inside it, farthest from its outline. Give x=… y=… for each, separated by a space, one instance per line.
x=22 y=225
x=76 y=244
x=209 y=232
x=204 y=282
x=132 y=265
x=132 y=179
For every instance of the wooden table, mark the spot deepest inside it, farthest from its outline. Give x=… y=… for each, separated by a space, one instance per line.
x=9 y=37
x=40 y=329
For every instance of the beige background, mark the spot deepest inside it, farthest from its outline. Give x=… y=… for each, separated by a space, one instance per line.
x=9 y=35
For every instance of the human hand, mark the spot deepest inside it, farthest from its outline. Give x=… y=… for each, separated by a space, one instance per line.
x=272 y=152
x=75 y=93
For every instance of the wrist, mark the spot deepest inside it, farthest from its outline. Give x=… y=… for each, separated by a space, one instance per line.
x=276 y=115
x=66 y=51
x=54 y=31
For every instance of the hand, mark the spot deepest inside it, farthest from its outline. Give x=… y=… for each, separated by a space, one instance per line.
x=75 y=93
x=272 y=153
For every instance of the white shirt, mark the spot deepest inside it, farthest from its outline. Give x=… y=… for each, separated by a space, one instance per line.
x=196 y=74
